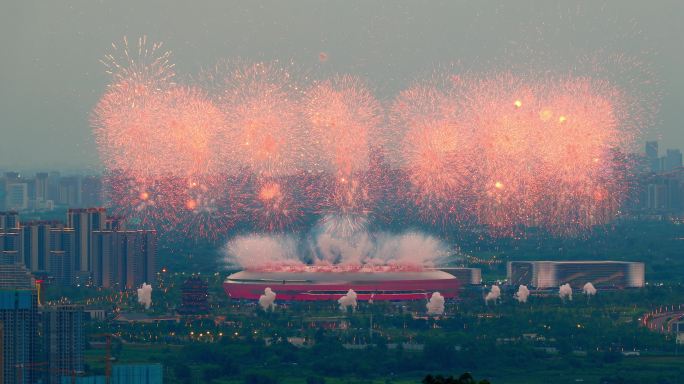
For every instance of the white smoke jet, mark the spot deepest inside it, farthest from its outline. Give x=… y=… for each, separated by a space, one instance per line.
x=565 y=292
x=410 y=248
x=333 y=243
x=436 y=304
x=522 y=294
x=589 y=289
x=348 y=300
x=494 y=294
x=258 y=251
x=145 y=295
x=267 y=300
x=333 y=247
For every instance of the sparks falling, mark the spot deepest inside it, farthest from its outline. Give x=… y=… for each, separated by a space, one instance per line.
x=251 y=143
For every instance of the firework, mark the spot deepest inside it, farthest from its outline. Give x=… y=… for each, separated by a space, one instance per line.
x=251 y=144
x=436 y=151
x=264 y=131
x=548 y=151
x=344 y=119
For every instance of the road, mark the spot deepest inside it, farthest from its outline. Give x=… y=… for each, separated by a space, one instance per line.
x=662 y=319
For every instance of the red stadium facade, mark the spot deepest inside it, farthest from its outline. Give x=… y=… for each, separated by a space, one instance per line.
x=322 y=286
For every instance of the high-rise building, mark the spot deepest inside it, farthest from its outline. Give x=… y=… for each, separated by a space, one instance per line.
x=64 y=341
x=106 y=258
x=54 y=178
x=9 y=220
x=41 y=186
x=69 y=191
x=61 y=260
x=36 y=243
x=124 y=259
x=673 y=160
x=84 y=222
x=115 y=223
x=2 y=353
x=10 y=238
x=91 y=191
x=19 y=316
x=16 y=197
x=652 y=156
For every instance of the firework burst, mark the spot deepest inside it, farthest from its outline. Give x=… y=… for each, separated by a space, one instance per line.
x=251 y=144
x=344 y=119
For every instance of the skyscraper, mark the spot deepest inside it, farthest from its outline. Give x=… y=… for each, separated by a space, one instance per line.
x=61 y=260
x=41 y=186
x=9 y=220
x=69 y=191
x=652 y=156
x=64 y=341
x=91 y=191
x=124 y=259
x=2 y=353
x=84 y=222
x=17 y=196
x=19 y=316
x=36 y=243
x=673 y=160
x=10 y=236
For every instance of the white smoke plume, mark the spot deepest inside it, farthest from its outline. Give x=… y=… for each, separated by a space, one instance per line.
x=589 y=289
x=330 y=243
x=494 y=294
x=410 y=248
x=522 y=294
x=256 y=251
x=565 y=292
x=145 y=295
x=348 y=300
x=436 y=304
x=267 y=300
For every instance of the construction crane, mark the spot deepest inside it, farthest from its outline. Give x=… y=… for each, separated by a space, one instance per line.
x=108 y=356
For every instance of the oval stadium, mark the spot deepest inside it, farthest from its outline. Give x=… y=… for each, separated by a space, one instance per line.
x=323 y=285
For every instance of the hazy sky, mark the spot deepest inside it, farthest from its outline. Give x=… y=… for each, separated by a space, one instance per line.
x=50 y=74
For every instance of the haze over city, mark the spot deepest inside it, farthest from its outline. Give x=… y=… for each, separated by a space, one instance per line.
x=385 y=192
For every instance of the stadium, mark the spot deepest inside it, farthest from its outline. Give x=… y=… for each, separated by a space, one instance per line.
x=552 y=274
x=320 y=285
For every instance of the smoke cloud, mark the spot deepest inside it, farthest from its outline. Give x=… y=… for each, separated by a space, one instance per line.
x=348 y=300
x=258 y=251
x=329 y=244
x=494 y=294
x=436 y=304
x=145 y=295
x=267 y=300
x=565 y=292
x=522 y=294
x=589 y=289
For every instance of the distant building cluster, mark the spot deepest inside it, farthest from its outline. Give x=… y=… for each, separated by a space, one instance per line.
x=37 y=344
x=46 y=344
x=661 y=184
x=90 y=248
x=46 y=191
